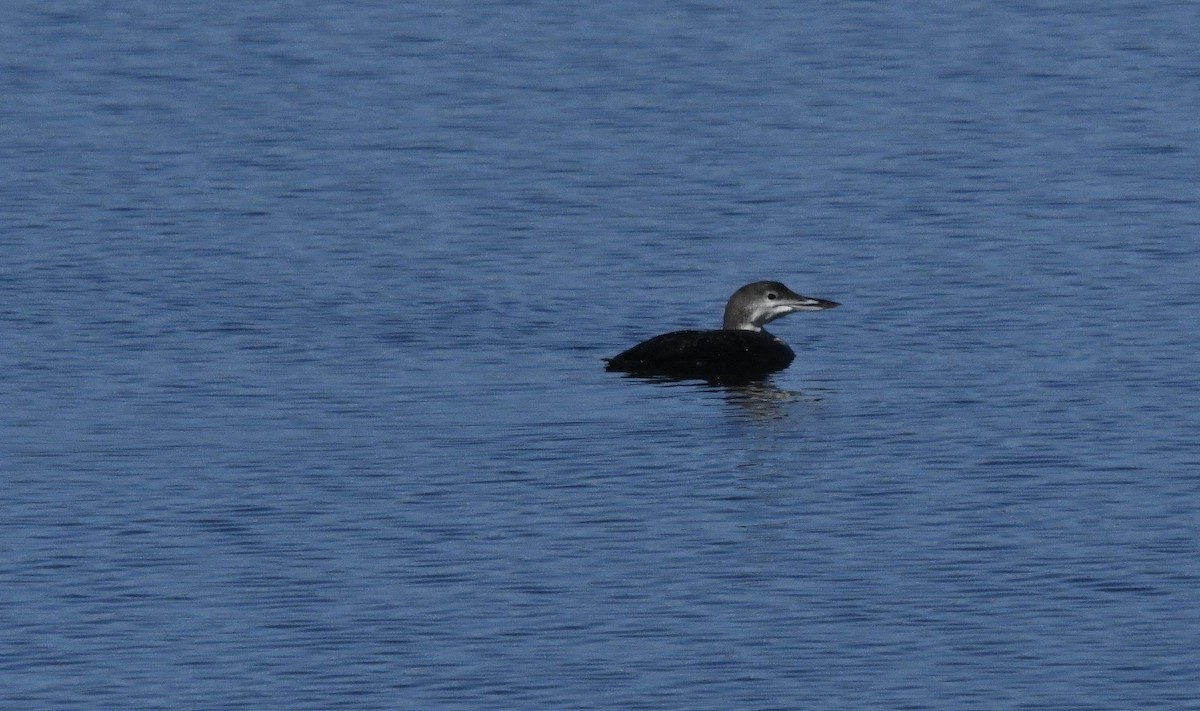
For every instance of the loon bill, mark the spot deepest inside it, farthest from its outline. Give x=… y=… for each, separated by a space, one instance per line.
x=740 y=350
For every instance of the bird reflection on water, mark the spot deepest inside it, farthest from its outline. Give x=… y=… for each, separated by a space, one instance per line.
x=760 y=398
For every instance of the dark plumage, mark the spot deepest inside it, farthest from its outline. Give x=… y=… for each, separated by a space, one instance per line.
x=739 y=351
x=706 y=354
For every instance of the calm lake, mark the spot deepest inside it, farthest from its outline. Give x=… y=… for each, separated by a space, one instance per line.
x=304 y=307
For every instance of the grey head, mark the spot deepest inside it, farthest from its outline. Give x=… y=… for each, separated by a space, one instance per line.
x=764 y=301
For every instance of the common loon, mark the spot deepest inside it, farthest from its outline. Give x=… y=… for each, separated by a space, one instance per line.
x=740 y=351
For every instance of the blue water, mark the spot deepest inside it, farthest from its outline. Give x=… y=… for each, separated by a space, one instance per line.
x=304 y=304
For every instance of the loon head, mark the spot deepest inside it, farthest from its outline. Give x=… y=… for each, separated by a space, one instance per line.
x=764 y=301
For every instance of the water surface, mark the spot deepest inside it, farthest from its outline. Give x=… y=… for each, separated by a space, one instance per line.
x=304 y=309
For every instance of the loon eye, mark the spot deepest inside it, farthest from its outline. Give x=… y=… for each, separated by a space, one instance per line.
x=771 y=295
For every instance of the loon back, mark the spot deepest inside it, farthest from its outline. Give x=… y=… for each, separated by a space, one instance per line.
x=719 y=355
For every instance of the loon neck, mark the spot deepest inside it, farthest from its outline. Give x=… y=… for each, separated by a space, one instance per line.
x=751 y=329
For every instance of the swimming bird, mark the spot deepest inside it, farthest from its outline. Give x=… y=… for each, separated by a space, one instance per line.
x=740 y=351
